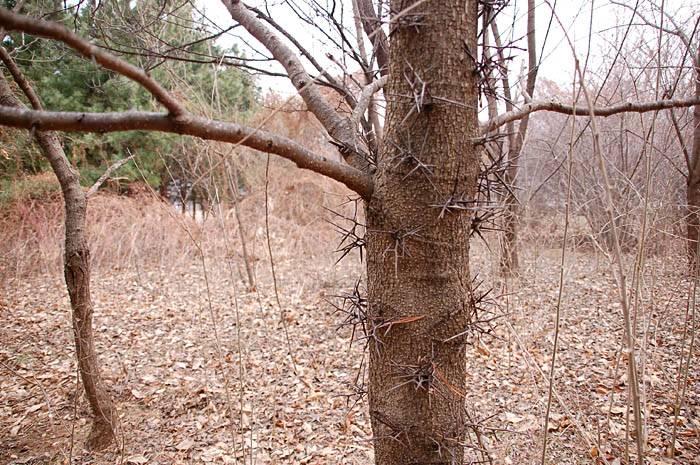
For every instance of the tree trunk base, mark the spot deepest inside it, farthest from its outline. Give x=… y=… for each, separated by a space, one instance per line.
x=101 y=436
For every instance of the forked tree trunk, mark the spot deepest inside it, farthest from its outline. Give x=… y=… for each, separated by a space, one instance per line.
x=76 y=270
x=418 y=249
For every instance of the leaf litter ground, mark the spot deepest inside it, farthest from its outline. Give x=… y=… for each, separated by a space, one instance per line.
x=202 y=372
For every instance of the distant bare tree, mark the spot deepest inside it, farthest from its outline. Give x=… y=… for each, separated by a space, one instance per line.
x=515 y=137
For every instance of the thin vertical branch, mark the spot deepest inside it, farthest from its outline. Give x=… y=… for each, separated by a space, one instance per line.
x=683 y=373
x=561 y=291
x=619 y=272
x=272 y=264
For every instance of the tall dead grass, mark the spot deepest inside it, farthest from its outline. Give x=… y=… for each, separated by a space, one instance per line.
x=142 y=230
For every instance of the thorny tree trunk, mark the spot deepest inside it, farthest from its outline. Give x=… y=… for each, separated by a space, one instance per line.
x=693 y=191
x=77 y=275
x=417 y=264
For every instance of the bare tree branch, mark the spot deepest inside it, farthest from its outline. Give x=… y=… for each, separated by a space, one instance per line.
x=179 y=120
x=15 y=22
x=20 y=80
x=115 y=166
x=192 y=125
x=367 y=92
x=557 y=107
x=337 y=126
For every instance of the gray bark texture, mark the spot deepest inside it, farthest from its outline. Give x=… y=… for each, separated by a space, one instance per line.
x=418 y=259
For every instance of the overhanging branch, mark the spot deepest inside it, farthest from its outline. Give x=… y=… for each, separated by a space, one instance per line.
x=15 y=22
x=627 y=107
x=191 y=125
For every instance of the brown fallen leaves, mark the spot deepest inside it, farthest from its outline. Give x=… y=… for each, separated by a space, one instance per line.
x=186 y=396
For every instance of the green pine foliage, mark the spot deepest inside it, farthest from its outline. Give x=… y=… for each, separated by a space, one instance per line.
x=167 y=41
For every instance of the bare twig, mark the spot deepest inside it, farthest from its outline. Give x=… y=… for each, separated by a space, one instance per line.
x=115 y=166
x=557 y=325
x=557 y=107
x=272 y=265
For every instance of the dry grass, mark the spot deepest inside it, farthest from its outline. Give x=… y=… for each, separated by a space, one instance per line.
x=142 y=230
x=156 y=315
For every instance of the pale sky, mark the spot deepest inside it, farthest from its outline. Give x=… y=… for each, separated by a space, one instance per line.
x=557 y=62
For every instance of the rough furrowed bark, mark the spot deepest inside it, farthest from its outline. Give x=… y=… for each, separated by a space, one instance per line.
x=418 y=267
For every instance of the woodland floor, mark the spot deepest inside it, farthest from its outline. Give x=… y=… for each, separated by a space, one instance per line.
x=202 y=373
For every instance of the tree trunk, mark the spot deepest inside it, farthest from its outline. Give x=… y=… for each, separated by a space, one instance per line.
x=693 y=190
x=509 y=248
x=76 y=270
x=77 y=275
x=418 y=249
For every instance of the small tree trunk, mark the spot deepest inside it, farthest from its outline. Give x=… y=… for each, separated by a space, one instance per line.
x=77 y=275
x=76 y=270
x=509 y=247
x=241 y=230
x=693 y=188
x=418 y=253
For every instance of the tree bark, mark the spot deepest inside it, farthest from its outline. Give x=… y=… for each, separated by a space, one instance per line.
x=418 y=254
x=76 y=269
x=693 y=188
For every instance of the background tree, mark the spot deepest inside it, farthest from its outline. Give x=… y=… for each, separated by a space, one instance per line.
x=498 y=62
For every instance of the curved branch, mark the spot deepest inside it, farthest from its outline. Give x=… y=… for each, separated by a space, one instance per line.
x=365 y=97
x=108 y=172
x=191 y=125
x=337 y=126
x=15 y=22
x=627 y=107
